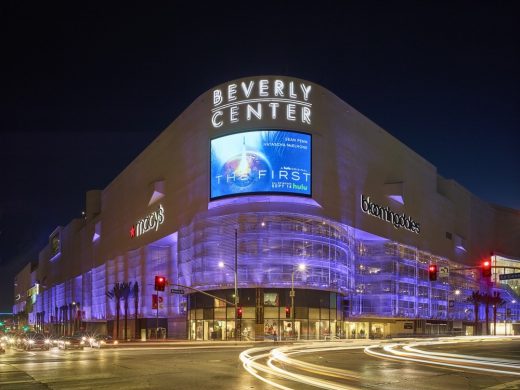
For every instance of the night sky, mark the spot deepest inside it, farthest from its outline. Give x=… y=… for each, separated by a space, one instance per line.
x=86 y=87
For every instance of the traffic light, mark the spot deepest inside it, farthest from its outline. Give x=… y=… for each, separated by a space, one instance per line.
x=287 y=312
x=486 y=269
x=239 y=312
x=432 y=272
x=160 y=283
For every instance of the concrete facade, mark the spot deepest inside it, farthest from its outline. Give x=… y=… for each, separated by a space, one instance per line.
x=351 y=157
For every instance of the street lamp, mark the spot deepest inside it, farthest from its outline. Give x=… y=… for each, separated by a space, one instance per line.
x=221 y=264
x=301 y=268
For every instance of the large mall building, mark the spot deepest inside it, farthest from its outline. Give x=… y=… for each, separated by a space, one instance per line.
x=325 y=223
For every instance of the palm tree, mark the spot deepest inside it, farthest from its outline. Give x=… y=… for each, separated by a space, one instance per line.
x=497 y=301
x=135 y=295
x=115 y=293
x=126 y=289
x=488 y=301
x=476 y=299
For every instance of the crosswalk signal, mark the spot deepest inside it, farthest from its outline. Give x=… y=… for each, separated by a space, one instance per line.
x=160 y=283
x=287 y=312
x=432 y=272
x=486 y=269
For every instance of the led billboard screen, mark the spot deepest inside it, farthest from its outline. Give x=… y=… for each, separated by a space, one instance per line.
x=274 y=161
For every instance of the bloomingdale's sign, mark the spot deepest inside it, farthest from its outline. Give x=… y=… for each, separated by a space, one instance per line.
x=151 y=222
x=384 y=213
x=258 y=99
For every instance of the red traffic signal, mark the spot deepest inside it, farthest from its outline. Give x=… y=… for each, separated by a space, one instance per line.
x=486 y=269
x=160 y=283
x=432 y=272
x=239 y=312
x=287 y=312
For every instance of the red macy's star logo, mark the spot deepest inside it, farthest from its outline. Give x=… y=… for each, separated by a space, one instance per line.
x=132 y=232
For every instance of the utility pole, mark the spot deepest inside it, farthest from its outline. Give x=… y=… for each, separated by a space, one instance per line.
x=236 y=286
x=157 y=318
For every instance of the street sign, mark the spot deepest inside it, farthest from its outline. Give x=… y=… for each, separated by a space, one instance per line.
x=444 y=272
x=515 y=275
x=176 y=291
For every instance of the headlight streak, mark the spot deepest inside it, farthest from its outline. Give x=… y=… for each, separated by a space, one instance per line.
x=280 y=355
x=304 y=378
x=465 y=363
x=452 y=356
x=251 y=366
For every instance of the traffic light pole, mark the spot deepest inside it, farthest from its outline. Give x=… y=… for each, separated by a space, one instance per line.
x=236 y=289
x=292 y=304
x=157 y=318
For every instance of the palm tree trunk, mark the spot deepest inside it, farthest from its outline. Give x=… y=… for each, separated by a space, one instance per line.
x=476 y=318
x=118 y=304
x=136 y=303
x=136 y=306
x=487 y=319
x=495 y=319
x=126 y=317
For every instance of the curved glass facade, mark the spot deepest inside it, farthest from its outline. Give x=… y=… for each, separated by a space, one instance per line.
x=270 y=246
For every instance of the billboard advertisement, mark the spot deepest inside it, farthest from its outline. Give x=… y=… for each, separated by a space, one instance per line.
x=262 y=161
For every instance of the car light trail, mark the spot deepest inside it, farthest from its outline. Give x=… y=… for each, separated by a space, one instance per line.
x=273 y=365
x=264 y=363
x=465 y=362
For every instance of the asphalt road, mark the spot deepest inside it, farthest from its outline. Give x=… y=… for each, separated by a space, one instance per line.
x=219 y=367
x=193 y=368
x=370 y=372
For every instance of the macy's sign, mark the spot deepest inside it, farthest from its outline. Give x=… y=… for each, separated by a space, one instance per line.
x=151 y=222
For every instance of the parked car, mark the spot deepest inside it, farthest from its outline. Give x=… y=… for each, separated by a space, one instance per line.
x=68 y=342
x=102 y=341
x=36 y=341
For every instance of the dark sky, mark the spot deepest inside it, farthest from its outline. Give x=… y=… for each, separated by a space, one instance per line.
x=87 y=86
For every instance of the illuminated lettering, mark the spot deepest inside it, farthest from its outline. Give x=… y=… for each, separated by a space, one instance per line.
x=306 y=91
x=278 y=88
x=274 y=107
x=217 y=97
x=306 y=115
x=246 y=101
x=291 y=110
x=251 y=110
x=291 y=90
x=151 y=222
x=385 y=214
x=247 y=89
x=214 y=121
x=232 y=92
x=233 y=114
x=262 y=88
